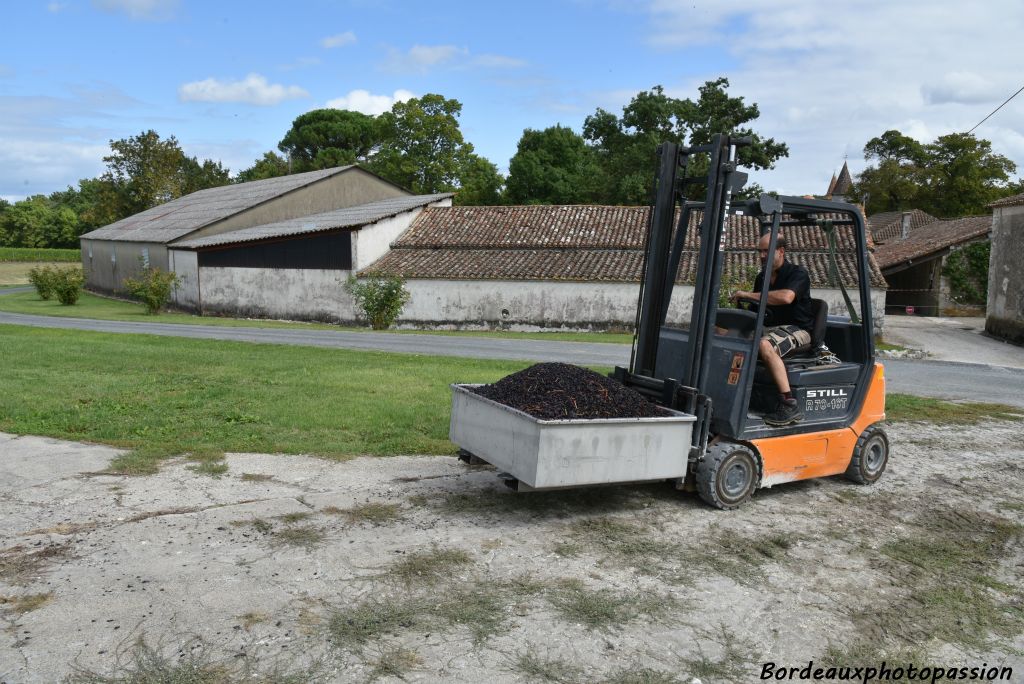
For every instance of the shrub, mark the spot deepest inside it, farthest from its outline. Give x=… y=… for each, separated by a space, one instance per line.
x=153 y=288
x=67 y=284
x=41 y=278
x=967 y=270
x=381 y=299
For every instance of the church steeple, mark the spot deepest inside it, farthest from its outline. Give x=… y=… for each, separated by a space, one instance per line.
x=843 y=183
x=831 y=186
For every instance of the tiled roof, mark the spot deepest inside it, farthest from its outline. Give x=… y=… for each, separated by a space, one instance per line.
x=351 y=217
x=935 y=237
x=888 y=226
x=1011 y=201
x=581 y=243
x=184 y=215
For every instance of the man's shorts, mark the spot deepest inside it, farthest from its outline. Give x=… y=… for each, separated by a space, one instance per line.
x=786 y=338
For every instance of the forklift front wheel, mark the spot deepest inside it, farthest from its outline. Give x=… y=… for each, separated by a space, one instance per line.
x=870 y=456
x=727 y=475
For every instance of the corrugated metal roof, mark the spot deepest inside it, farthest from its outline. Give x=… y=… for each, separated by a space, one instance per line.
x=177 y=218
x=350 y=217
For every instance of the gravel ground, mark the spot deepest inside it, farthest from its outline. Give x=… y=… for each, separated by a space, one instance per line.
x=427 y=569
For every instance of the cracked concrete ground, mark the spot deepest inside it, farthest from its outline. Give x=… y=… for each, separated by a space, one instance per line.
x=261 y=564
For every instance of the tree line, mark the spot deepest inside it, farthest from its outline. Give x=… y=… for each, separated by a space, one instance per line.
x=419 y=145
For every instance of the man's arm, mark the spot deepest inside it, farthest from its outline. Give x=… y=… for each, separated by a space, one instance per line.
x=775 y=297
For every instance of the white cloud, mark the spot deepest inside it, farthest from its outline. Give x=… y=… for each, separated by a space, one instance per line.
x=41 y=166
x=55 y=7
x=253 y=89
x=964 y=87
x=422 y=58
x=367 y=103
x=139 y=9
x=339 y=40
x=828 y=77
x=498 y=62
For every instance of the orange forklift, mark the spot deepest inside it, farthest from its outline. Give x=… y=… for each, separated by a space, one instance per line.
x=710 y=369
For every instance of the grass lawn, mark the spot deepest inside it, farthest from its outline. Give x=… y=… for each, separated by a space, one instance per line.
x=165 y=396
x=16 y=272
x=908 y=407
x=91 y=306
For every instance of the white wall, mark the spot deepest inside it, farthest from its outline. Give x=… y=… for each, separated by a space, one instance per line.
x=372 y=241
x=546 y=304
x=185 y=264
x=294 y=294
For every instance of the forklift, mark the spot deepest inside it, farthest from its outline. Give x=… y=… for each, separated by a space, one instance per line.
x=706 y=372
x=710 y=368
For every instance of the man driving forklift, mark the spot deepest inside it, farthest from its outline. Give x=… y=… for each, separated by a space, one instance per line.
x=791 y=320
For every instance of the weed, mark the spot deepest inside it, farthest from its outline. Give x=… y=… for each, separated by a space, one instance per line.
x=251 y=619
x=733 y=663
x=428 y=566
x=944 y=558
x=20 y=565
x=641 y=675
x=27 y=603
x=478 y=610
x=291 y=518
x=305 y=536
x=371 y=513
x=418 y=500
x=602 y=609
x=190 y=663
x=262 y=526
x=395 y=662
x=255 y=477
x=212 y=468
x=567 y=549
x=538 y=669
x=352 y=628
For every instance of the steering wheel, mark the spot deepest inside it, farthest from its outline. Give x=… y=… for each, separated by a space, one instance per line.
x=748 y=304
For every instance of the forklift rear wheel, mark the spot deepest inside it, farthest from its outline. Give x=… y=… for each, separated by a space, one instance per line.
x=870 y=456
x=727 y=475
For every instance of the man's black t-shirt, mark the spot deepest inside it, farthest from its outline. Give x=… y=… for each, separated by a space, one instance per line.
x=790 y=277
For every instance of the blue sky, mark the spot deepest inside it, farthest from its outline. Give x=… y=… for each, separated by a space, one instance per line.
x=227 y=78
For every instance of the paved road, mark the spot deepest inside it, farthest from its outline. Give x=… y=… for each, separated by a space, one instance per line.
x=975 y=382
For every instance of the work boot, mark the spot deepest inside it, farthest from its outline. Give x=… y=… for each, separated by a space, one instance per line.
x=786 y=413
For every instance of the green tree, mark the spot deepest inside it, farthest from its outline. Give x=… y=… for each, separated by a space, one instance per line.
x=963 y=175
x=36 y=222
x=144 y=171
x=553 y=166
x=423 y=148
x=271 y=165
x=956 y=175
x=325 y=138
x=195 y=175
x=480 y=184
x=626 y=147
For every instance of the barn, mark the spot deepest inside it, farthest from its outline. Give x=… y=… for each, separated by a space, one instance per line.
x=529 y=267
x=120 y=250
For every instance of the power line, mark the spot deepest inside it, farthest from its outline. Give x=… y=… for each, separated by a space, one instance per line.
x=996 y=110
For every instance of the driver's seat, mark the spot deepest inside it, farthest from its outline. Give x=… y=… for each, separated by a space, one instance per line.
x=803 y=353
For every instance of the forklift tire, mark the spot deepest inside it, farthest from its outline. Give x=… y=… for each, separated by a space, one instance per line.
x=870 y=456
x=728 y=475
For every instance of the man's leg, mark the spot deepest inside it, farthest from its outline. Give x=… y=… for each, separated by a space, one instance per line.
x=774 y=346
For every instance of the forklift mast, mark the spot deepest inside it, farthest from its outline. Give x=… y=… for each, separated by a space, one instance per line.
x=691 y=368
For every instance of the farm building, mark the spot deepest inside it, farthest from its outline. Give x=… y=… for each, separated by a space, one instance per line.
x=120 y=250
x=1005 y=316
x=293 y=269
x=912 y=249
x=573 y=266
